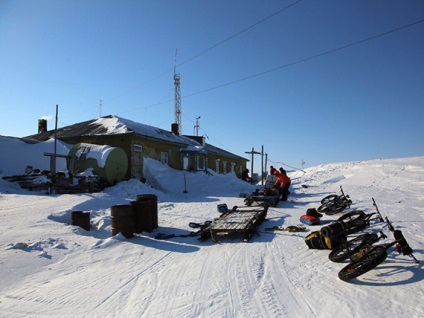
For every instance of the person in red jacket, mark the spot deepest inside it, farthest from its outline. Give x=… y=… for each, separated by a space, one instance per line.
x=245 y=176
x=283 y=183
x=272 y=170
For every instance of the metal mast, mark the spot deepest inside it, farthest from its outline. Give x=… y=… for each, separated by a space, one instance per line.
x=177 y=96
x=196 y=126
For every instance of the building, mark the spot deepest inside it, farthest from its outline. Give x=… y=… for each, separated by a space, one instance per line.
x=143 y=141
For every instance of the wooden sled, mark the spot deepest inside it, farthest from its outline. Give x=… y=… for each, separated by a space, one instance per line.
x=241 y=221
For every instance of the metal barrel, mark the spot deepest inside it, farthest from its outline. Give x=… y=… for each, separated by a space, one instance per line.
x=81 y=219
x=122 y=219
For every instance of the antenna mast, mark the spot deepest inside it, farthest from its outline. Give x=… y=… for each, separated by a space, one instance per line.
x=177 y=96
x=196 y=126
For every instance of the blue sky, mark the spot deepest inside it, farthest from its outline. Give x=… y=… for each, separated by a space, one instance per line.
x=361 y=100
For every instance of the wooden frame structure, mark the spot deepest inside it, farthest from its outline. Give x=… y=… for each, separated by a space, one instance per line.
x=244 y=221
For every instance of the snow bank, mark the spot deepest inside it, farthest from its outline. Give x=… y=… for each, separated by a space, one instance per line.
x=16 y=155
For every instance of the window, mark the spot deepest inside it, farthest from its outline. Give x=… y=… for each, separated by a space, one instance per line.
x=164 y=157
x=196 y=163
x=217 y=165
x=137 y=148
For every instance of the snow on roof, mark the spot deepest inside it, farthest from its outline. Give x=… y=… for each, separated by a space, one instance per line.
x=117 y=125
x=114 y=125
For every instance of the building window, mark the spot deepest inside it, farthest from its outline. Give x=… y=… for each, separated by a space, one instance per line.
x=164 y=158
x=196 y=163
x=217 y=165
x=186 y=162
x=138 y=148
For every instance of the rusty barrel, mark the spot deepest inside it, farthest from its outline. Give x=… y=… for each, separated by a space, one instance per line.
x=81 y=219
x=146 y=212
x=122 y=219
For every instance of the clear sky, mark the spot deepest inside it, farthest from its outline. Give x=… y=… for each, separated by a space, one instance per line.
x=313 y=81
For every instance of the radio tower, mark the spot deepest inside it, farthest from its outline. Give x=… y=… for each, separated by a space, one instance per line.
x=177 y=97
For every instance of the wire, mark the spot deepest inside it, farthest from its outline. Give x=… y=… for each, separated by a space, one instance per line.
x=284 y=164
x=203 y=52
x=240 y=32
x=296 y=62
x=305 y=59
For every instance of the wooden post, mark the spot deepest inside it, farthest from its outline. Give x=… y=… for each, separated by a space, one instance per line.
x=253 y=152
x=262 y=166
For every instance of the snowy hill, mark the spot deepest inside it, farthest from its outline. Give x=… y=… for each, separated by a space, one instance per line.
x=52 y=269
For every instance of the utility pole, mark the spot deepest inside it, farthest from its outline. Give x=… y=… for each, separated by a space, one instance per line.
x=262 y=166
x=177 y=96
x=266 y=162
x=253 y=152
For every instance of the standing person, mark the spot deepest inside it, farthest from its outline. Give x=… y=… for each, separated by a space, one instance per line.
x=272 y=170
x=245 y=176
x=285 y=184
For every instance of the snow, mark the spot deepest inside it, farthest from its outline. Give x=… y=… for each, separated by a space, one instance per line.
x=16 y=155
x=50 y=268
x=96 y=152
x=119 y=125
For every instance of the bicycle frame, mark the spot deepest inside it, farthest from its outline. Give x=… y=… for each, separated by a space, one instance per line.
x=370 y=256
x=337 y=203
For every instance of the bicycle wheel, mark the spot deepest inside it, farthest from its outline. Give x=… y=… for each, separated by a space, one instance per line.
x=352 y=217
x=355 y=221
x=342 y=252
x=324 y=208
x=335 y=208
x=370 y=260
x=329 y=198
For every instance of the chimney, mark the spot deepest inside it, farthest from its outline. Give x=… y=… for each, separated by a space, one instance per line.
x=42 y=125
x=174 y=129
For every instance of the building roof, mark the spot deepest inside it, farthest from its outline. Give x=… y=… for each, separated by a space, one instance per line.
x=113 y=125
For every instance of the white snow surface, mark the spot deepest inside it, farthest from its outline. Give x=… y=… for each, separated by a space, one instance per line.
x=118 y=125
x=100 y=153
x=50 y=268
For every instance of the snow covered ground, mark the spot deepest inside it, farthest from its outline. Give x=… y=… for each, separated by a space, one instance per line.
x=49 y=268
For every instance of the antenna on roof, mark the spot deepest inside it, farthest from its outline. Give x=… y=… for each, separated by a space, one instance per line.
x=177 y=97
x=196 y=126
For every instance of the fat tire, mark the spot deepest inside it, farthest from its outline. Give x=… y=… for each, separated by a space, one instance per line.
x=335 y=208
x=342 y=252
x=329 y=198
x=352 y=217
x=370 y=260
x=355 y=221
x=325 y=207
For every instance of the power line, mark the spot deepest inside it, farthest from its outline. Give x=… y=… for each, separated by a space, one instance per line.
x=204 y=51
x=240 y=32
x=306 y=59
x=293 y=63
x=285 y=164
